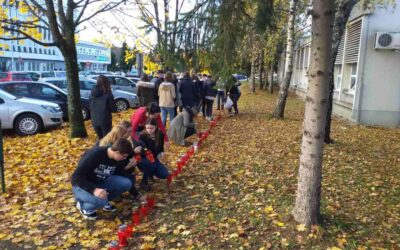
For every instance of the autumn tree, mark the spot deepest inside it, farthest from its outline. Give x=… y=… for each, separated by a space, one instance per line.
x=62 y=19
x=284 y=87
x=308 y=196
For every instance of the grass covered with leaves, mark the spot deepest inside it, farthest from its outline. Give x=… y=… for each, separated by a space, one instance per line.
x=236 y=193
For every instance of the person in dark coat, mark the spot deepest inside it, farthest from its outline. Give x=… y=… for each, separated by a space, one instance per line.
x=188 y=91
x=157 y=80
x=234 y=93
x=146 y=91
x=210 y=92
x=102 y=104
x=199 y=89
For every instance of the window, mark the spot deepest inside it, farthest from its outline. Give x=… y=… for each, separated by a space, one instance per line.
x=353 y=77
x=40 y=51
x=29 y=66
x=338 y=79
x=42 y=90
x=122 y=81
x=30 y=50
x=16 y=89
x=19 y=48
x=35 y=50
x=44 y=51
x=25 y=51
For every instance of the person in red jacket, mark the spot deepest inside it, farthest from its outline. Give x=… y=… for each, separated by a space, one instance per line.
x=139 y=118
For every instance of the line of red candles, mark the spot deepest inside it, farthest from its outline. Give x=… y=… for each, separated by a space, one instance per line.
x=186 y=157
x=125 y=231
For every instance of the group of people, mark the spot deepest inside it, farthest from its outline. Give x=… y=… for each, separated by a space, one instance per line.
x=190 y=90
x=108 y=169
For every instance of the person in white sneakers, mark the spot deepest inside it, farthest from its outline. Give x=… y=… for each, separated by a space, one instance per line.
x=100 y=177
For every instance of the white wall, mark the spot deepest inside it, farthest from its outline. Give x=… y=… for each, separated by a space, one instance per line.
x=379 y=86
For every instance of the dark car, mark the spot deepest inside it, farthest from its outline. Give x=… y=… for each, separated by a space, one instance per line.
x=14 y=76
x=44 y=91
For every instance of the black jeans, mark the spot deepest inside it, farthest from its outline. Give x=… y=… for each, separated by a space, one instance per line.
x=209 y=107
x=220 y=99
x=203 y=106
x=189 y=132
x=101 y=131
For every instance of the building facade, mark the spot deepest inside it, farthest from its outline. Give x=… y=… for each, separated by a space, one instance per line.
x=25 y=55
x=366 y=75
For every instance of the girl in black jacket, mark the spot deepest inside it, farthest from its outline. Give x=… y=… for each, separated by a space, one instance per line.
x=152 y=140
x=101 y=106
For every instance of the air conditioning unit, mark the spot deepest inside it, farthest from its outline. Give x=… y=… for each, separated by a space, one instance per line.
x=387 y=40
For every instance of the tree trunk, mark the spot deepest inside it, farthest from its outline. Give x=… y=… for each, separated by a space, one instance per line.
x=271 y=79
x=261 y=70
x=253 y=74
x=77 y=125
x=284 y=88
x=342 y=15
x=307 y=206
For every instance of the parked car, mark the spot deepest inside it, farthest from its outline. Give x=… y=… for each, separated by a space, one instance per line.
x=46 y=92
x=14 y=76
x=133 y=79
x=123 y=99
x=52 y=74
x=28 y=116
x=240 y=77
x=118 y=83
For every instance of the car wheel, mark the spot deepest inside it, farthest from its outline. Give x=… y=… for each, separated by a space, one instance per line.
x=28 y=124
x=85 y=113
x=122 y=105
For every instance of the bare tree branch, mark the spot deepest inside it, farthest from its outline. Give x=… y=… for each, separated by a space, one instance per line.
x=27 y=36
x=106 y=8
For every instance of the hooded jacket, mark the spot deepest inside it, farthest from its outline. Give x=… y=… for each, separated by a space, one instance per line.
x=147 y=92
x=167 y=95
x=101 y=107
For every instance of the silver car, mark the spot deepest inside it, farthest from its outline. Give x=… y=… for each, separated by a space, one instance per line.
x=118 y=82
x=28 y=116
x=123 y=99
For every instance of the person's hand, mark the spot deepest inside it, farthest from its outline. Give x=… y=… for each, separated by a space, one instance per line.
x=132 y=163
x=138 y=150
x=101 y=193
x=161 y=156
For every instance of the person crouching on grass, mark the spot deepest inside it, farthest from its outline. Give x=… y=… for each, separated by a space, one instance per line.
x=100 y=177
x=152 y=139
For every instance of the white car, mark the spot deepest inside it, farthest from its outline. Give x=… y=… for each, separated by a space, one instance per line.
x=123 y=99
x=28 y=116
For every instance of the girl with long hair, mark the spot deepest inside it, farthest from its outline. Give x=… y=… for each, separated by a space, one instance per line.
x=102 y=104
x=152 y=140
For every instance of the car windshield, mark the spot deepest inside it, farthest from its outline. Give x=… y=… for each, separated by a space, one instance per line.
x=47 y=74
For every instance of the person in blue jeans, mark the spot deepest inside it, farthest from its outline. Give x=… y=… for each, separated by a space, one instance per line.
x=152 y=141
x=100 y=177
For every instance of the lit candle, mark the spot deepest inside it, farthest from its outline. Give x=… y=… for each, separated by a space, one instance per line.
x=136 y=218
x=122 y=242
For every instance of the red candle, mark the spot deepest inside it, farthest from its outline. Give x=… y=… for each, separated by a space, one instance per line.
x=143 y=210
x=113 y=245
x=150 y=202
x=150 y=156
x=136 y=218
x=138 y=158
x=169 y=179
x=122 y=242
x=128 y=231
